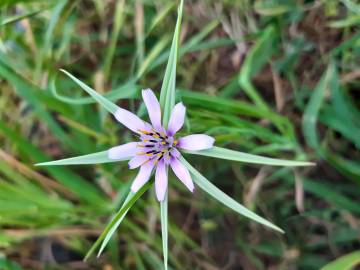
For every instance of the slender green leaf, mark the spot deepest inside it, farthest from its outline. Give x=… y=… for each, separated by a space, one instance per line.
x=20 y=17
x=29 y=92
x=346 y=262
x=312 y=109
x=115 y=222
x=127 y=90
x=167 y=102
x=255 y=60
x=223 y=153
x=83 y=189
x=208 y=187
x=164 y=229
x=167 y=94
x=119 y=17
x=108 y=105
x=94 y=158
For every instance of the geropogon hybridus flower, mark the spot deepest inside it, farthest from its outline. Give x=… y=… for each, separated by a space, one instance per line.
x=158 y=147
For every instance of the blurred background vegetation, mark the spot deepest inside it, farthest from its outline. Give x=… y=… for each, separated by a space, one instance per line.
x=278 y=78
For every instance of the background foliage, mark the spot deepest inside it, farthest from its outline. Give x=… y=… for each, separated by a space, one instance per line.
x=277 y=78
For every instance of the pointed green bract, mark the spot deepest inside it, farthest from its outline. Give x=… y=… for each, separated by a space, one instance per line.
x=167 y=102
x=167 y=94
x=117 y=219
x=116 y=224
x=164 y=228
x=107 y=104
x=94 y=158
x=223 y=153
x=125 y=91
x=208 y=187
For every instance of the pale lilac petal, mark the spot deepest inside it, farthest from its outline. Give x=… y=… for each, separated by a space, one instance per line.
x=129 y=120
x=175 y=153
x=143 y=176
x=182 y=173
x=177 y=119
x=123 y=152
x=161 y=181
x=137 y=161
x=196 y=142
x=153 y=107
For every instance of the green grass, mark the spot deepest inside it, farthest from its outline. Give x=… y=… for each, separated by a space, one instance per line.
x=282 y=84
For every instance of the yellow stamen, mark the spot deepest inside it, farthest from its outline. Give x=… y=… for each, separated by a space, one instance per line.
x=144 y=132
x=175 y=142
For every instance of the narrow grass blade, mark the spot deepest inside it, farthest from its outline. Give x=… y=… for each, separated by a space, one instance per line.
x=208 y=187
x=152 y=56
x=346 y=262
x=223 y=153
x=312 y=110
x=164 y=229
x=255 y=60
x=14 y=19
x=160 y=16
x=118 y=20
x=127 y=90
x=81 y=187
x=107 y=104
x=115 y=222
x=30 y=93
x=95 y=158
x=167 y=94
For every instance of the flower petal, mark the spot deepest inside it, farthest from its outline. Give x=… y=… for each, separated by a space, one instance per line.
x=196 y=142
x=129 y=120
x=182 y=173
x=143 y=176
x=137 y=161
x=153 y=107
x=177 y=119
x=161 y=181
x=123 y=152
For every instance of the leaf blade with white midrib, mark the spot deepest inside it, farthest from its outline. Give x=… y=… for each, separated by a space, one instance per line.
x=208 y=187
x=167 y=102
x=164 y=229
x=107 y=104
x=223 y=153
x=94 y=158
x=114 y=223
x=167 y=93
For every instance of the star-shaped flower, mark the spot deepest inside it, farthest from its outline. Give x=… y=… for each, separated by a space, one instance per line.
x=158 y=147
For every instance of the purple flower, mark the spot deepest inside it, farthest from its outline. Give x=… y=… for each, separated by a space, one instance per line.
x=158 y=147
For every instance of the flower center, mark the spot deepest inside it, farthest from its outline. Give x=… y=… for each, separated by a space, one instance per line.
x=157 y=145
